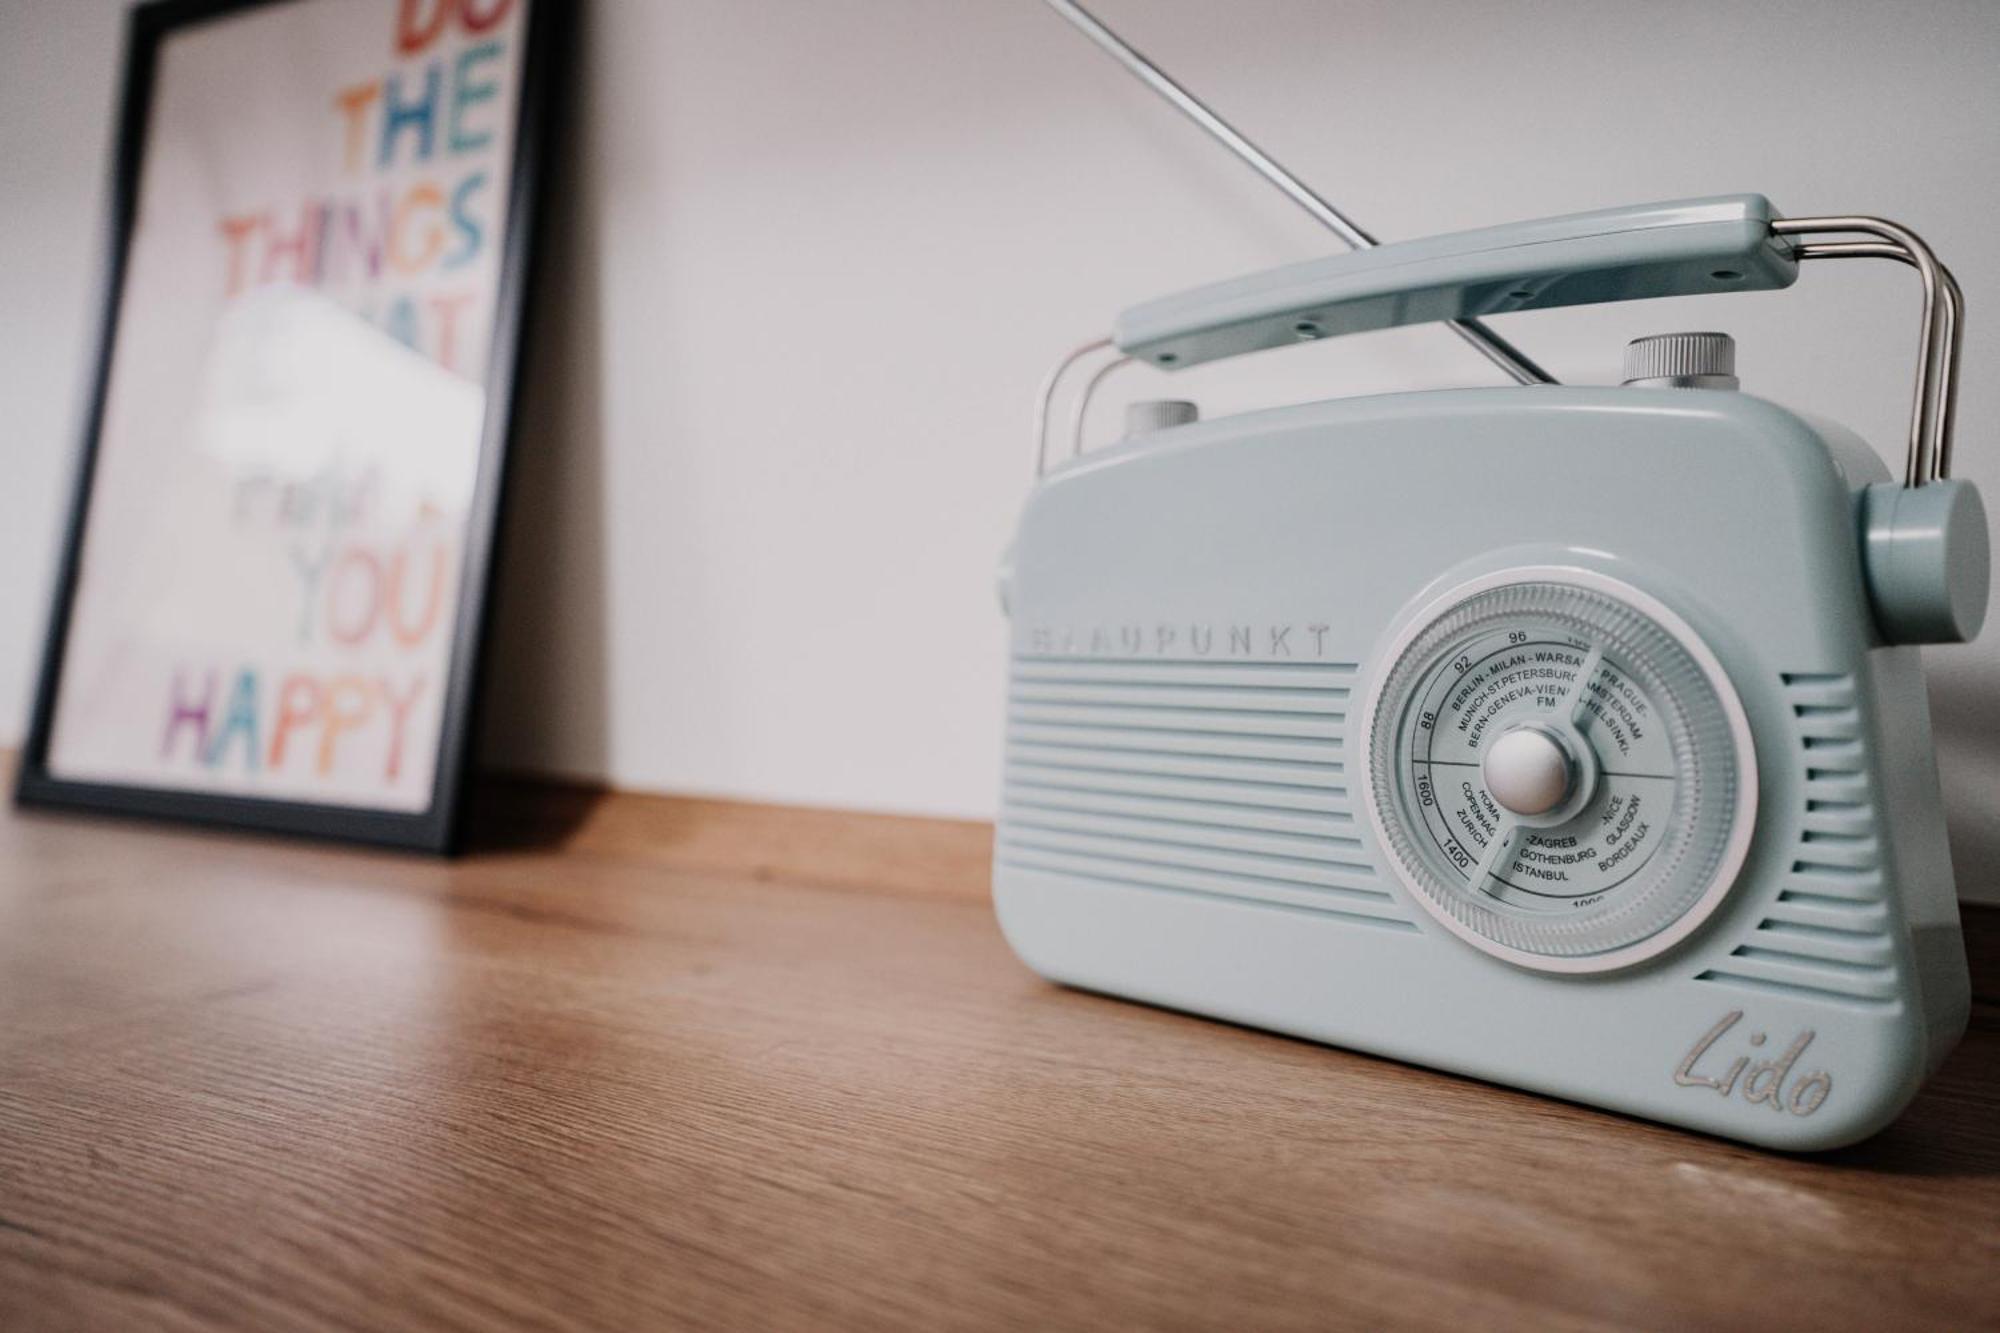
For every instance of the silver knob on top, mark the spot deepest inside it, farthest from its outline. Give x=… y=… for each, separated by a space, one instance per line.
x=1151 y=414
x=1682 y=361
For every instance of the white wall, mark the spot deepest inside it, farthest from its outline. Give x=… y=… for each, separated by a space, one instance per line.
x=808 y=261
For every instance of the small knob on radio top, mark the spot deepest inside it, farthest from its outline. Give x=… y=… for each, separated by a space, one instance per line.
x=1151 y=414
x=1681 y=361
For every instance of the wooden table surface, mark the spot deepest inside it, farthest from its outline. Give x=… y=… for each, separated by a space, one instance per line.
x=689 y=1064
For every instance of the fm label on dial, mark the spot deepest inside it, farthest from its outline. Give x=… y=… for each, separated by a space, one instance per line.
x=1559 y=769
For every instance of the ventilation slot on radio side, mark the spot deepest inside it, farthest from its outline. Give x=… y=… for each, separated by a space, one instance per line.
x=1827 y=935
x=1218 y=778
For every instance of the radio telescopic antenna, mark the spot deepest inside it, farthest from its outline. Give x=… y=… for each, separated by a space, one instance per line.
x=1488 y=343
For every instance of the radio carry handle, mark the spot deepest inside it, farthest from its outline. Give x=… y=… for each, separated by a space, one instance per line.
x=1735 y=242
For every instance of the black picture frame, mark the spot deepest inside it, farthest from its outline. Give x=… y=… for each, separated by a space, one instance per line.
x=436 y=829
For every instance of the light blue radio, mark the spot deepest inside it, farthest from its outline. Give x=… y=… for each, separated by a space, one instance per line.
x=1569 y=737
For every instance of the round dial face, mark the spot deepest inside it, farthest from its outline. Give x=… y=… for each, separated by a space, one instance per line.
x=1560 y=770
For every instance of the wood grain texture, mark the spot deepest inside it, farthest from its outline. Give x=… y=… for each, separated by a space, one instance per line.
x=656 y=1063
x=827 y=848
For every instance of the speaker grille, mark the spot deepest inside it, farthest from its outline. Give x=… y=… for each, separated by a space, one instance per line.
x=1219 y=778
x=1827 y=935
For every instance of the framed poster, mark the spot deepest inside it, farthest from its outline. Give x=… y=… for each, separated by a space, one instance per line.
x=269 y=607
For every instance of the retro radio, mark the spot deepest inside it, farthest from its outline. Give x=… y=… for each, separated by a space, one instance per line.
x=1569 y=737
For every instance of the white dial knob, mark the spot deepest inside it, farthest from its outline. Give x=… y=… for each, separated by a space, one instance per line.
x=1528 y=772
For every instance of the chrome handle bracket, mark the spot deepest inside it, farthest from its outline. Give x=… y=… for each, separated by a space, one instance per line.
x=1045 y=399
x=1934 y=411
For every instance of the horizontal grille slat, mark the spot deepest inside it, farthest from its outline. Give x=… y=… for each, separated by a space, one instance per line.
x=1237 y=865
x=1359 y=910
x=1843 y=819
x=1808 y=691
x=1839 y=947
x=1330 y=823
x=1325 y=774
x=1831 y=727
x=1342 y=848
x=1181 y=721
x=1831 y=914
x=1225 y=795
x=1213 y=777
x=1132 y=869
x=1798 y=954
x=1794 y=981
x=1828 y=856
x=1841 y=885
x=1304 y=753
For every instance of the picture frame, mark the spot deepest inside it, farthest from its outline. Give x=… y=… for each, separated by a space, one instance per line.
x=345 y=424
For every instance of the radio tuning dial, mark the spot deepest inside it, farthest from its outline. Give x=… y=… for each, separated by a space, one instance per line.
x=1558 y=769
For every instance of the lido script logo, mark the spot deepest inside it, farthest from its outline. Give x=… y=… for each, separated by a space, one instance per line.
x=1763 y=1081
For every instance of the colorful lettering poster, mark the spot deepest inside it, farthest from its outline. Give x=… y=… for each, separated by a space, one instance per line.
x=294 y=421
